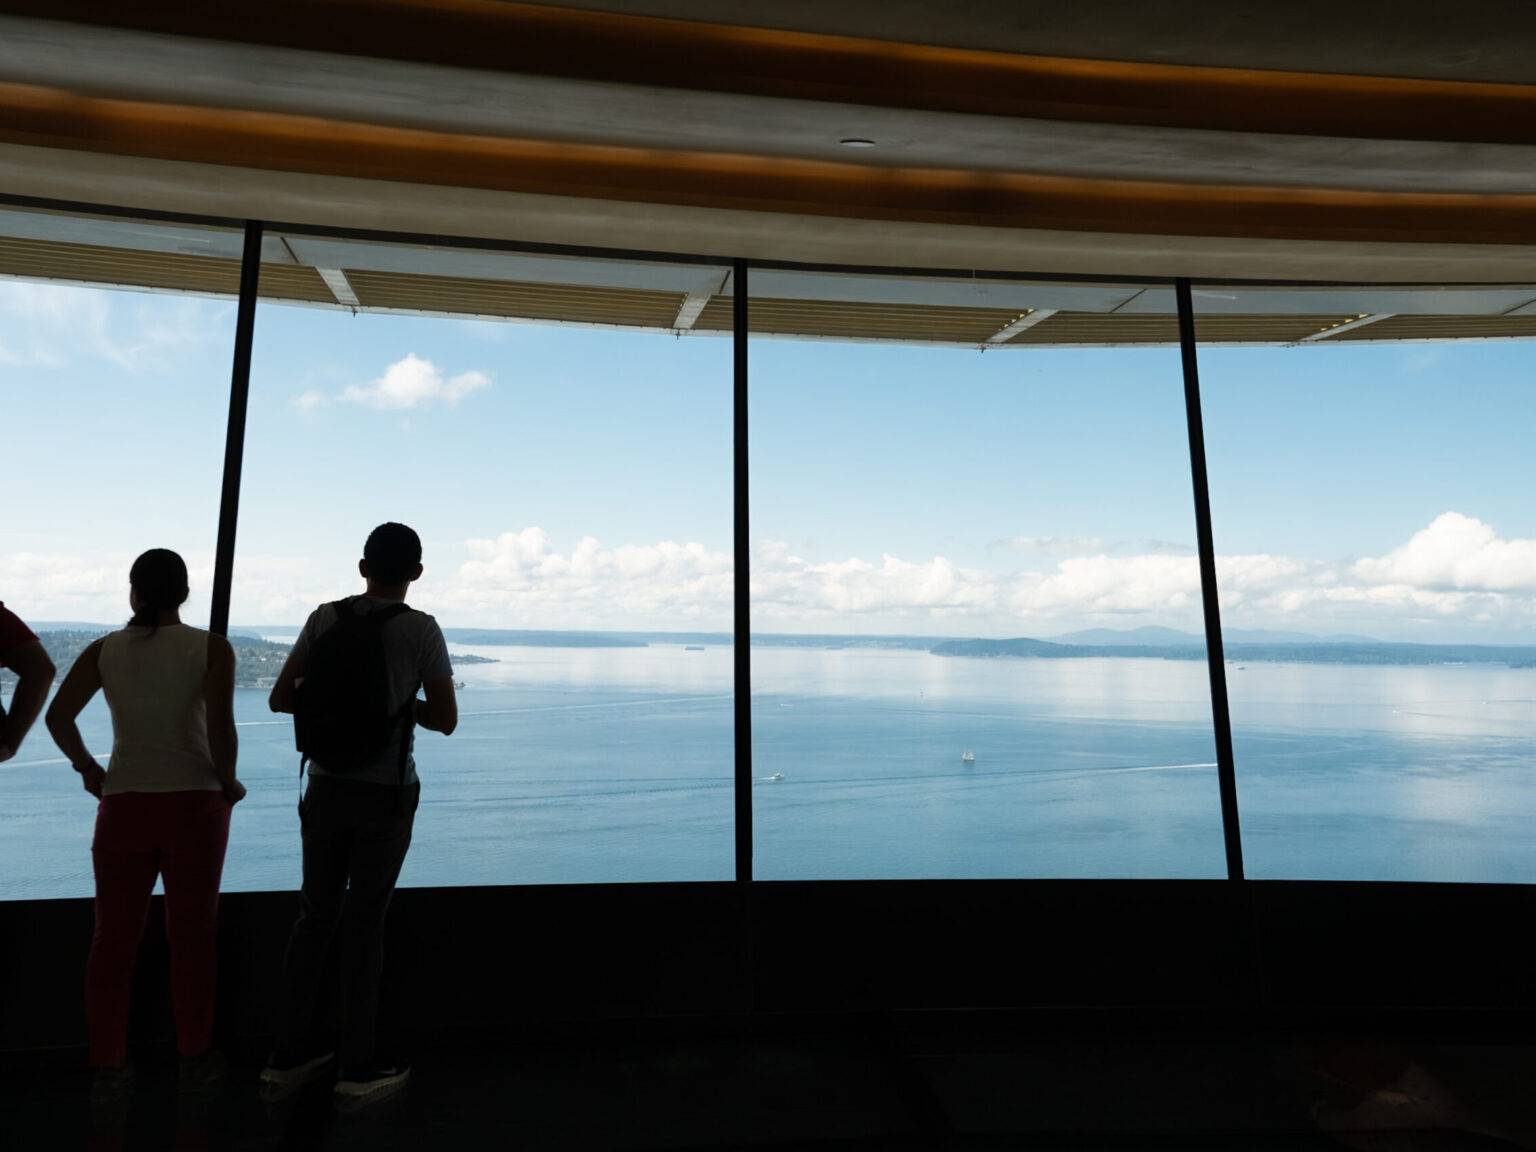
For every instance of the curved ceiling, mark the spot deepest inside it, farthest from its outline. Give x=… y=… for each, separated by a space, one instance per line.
x=1487 y=40
x=203 y=74
x=1152 y=119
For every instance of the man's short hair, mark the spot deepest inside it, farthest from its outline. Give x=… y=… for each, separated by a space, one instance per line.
x=392 y=552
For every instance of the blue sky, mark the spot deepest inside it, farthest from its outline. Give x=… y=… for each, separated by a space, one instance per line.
x=570 y=477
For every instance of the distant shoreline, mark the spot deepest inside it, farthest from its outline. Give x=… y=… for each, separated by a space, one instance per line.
x=1380 y=654
x=258 y=658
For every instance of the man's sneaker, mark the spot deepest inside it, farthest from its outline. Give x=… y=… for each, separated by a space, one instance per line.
x=204 y=1071
x=359 y=1086
x=109 y=1085
x=289 y=1071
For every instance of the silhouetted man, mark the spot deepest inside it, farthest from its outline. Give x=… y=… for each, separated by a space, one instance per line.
x=351 y=683
x=23 y=654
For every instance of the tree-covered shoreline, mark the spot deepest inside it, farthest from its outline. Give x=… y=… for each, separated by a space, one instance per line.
x=257 y=661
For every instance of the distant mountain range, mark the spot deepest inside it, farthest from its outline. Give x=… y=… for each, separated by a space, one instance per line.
x=1237 y=652
x=259 y=659
x=1170 y=637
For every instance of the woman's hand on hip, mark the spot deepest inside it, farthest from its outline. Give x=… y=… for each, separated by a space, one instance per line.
x=93 y=778
x=234 y=791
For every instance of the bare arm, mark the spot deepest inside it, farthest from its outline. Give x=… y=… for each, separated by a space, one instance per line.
x=219 y=698
x=80 y=684
x=35 y=672
x=440 y=710
x=281 y=699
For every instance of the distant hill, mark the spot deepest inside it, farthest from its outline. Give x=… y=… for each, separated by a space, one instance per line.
x=545 y=638
x=1264 y=636
x=1122 y=636
x=1022 y=646
x=576 y=638
x=1290 y=652
x=813 y=640
x=257 y=662
x=541 y=639
x=1172 y=637
x=96 y=628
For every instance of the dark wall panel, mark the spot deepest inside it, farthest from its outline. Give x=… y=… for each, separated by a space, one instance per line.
x=1263 y=952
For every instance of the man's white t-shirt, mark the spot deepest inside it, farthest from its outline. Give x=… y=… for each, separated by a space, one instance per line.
x=414 y=652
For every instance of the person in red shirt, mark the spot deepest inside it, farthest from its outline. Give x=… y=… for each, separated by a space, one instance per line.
x=21 y=652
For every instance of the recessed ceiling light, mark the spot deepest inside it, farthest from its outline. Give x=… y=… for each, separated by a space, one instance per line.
x=857 y=142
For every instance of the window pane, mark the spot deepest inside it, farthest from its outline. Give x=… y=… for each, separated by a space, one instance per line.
x=115 y=345
x=977 y=639
x=570 y=481
x=1376 y=545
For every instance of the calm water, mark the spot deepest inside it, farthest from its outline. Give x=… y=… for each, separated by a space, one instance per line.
x=615 y=765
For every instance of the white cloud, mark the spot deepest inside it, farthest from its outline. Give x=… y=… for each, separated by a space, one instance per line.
x=1454 y=579
x=1103 y=586
x=50 y=326
x=522 y=579
x=1491 y=582
x=77 y=586
x=278 y=589
x=1456 y=552
x=412 y=382
x=790 y=590
x=310 y=400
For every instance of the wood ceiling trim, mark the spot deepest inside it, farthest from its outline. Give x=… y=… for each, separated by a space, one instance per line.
x=649 y=309
x=1442 y=328
x=515 y=299
x=542 y=40
x=47 y=117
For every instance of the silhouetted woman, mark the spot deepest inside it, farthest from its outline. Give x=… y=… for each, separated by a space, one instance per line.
x=165 y=799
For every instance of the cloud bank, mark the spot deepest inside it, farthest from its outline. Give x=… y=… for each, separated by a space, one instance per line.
x=1454 y=579
x=1455 y=574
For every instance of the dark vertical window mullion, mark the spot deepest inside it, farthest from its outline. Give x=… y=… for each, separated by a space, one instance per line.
x=1221 y=715
x=742 y=632
x=234 y=439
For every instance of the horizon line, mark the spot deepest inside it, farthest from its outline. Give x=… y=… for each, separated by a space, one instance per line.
x=1196 y=639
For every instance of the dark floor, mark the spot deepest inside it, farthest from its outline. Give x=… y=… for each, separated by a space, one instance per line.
x=884 y=1082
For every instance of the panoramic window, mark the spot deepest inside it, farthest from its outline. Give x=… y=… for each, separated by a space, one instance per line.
x=1376 y=556
x=558 y=432
x=977 y=643
x=116 y=338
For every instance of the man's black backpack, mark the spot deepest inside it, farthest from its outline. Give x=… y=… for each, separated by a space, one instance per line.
x=342 y=714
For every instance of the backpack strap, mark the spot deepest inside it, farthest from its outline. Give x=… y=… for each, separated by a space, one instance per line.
x=384 y=615
x=405 y=718
x=379 y=616
x=407 y=723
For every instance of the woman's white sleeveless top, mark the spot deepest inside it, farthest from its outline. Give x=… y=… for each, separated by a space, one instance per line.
x=153 y=681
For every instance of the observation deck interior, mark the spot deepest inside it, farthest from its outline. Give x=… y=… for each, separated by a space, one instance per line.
x=981 y=176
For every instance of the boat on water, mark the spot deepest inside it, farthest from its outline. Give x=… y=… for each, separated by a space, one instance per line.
x=968 y=757
x=777 y=776
x=459 y=684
